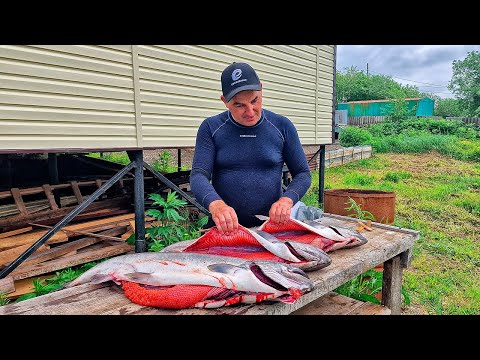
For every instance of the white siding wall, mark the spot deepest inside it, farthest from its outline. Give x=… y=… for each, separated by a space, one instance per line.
x=69 y=97
x=66 y=97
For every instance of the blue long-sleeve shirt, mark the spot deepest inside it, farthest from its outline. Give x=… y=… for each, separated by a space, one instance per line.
x=242 y=165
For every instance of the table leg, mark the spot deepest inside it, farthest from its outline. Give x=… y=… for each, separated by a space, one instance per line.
x=392 y=285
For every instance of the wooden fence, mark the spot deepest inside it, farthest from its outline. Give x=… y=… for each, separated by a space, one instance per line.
x=340 y=156
x=466 y=120
x=364 y=120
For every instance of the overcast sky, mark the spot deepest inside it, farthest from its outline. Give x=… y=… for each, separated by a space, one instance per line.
x=429 y=67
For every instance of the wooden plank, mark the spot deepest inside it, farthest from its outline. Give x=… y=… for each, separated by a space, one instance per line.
x=30 y=238
x=49 y=216
x=19 y=201
x=76 y=191
x=68 y=261
x=90 y=225
x=126 y=235
x=50 y=197
x=67 y=248
x=336 y=304
x=15 y=232
x=331 y=303
x=77 y=232
x=7 y=285
x=25 y=286
x=7 y=256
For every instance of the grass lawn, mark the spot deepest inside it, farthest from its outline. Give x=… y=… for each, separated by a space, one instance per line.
x=440 y=197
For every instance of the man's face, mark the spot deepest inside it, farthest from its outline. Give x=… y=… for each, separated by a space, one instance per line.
x=246 y=107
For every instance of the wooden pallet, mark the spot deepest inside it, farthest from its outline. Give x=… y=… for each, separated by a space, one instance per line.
x=336 y=304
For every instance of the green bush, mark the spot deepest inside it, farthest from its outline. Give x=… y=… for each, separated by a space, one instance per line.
x=354 y=136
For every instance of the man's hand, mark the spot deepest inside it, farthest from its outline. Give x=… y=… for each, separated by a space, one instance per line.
x=224 y=216
x=280 y=210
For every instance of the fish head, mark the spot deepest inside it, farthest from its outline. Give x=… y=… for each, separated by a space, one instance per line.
x=350 y=234
x=282 y=277
x=340 y=232
x=316 y=257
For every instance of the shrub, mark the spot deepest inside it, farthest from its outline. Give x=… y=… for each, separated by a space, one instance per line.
x=354 y=136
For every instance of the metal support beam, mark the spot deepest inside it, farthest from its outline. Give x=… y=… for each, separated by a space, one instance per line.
x=139 y=202
x=321 y=176
x=53 y=175
x=179 y=159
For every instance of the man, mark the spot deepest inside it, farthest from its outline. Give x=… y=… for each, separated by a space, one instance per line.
x=242 y=152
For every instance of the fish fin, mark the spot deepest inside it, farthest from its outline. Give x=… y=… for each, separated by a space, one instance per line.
x=224 y=268
x=100 y=278
x=141 y=277
x=262 y=217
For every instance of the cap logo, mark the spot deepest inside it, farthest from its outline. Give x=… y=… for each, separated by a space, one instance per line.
x=236 y=74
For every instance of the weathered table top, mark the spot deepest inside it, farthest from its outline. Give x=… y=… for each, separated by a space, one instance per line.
x=384 y=243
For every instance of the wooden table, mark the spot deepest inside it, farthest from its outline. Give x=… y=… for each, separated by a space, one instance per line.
x=386 y=244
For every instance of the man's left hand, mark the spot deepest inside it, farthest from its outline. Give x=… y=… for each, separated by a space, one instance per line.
x=280 y=210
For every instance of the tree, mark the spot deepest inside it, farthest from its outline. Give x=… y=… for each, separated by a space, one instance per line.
x=354 y=85
x=465 y=83
x=447 y=107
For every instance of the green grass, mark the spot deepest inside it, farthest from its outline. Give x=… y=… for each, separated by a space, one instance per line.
x=439 y=197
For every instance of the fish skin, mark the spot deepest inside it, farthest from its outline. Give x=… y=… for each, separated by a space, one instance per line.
x=345 y=232
x=310 y=253
x=279 y=280
x=330 y=237
x=253 y=244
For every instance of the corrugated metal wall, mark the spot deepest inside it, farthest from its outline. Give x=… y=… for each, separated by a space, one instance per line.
x=74 y=97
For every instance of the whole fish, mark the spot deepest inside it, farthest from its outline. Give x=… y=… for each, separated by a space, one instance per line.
x=327 y=238
x=182 y=280
x=255 y=245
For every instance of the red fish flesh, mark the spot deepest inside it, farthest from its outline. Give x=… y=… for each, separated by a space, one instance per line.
x=251 y=244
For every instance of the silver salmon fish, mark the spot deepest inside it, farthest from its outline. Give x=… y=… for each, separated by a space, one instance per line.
x=182 y=280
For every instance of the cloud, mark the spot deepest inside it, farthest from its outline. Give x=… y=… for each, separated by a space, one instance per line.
x=428 y=67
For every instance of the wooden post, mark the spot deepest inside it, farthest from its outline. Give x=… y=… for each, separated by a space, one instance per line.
x=392 y=285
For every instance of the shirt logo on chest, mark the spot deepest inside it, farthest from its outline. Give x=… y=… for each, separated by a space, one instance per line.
x=248 y=136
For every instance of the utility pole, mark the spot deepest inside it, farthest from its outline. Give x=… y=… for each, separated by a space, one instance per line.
x=367 y=69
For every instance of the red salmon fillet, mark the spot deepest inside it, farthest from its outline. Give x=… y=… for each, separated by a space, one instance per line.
x=169 y=297
x=297 y=233
x=307 y=238
x=241 y=244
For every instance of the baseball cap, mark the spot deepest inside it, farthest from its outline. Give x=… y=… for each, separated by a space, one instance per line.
x=238 y=77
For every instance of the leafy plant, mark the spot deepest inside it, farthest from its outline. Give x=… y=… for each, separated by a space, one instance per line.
x=365 y=286
x=162 y=164
x=358 y=212
x=175 y=224
x=354 y=136
x=396 y=176
x=45 y=286
x=4 y=300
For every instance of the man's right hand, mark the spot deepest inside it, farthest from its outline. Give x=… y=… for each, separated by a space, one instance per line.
x=224 y=216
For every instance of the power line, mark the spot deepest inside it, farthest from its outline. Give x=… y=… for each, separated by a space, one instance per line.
x=420 y=82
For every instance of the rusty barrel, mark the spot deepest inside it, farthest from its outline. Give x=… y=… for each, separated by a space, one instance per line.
x=381 y=204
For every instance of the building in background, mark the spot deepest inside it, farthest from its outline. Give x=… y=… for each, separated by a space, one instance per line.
x=415 y=107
